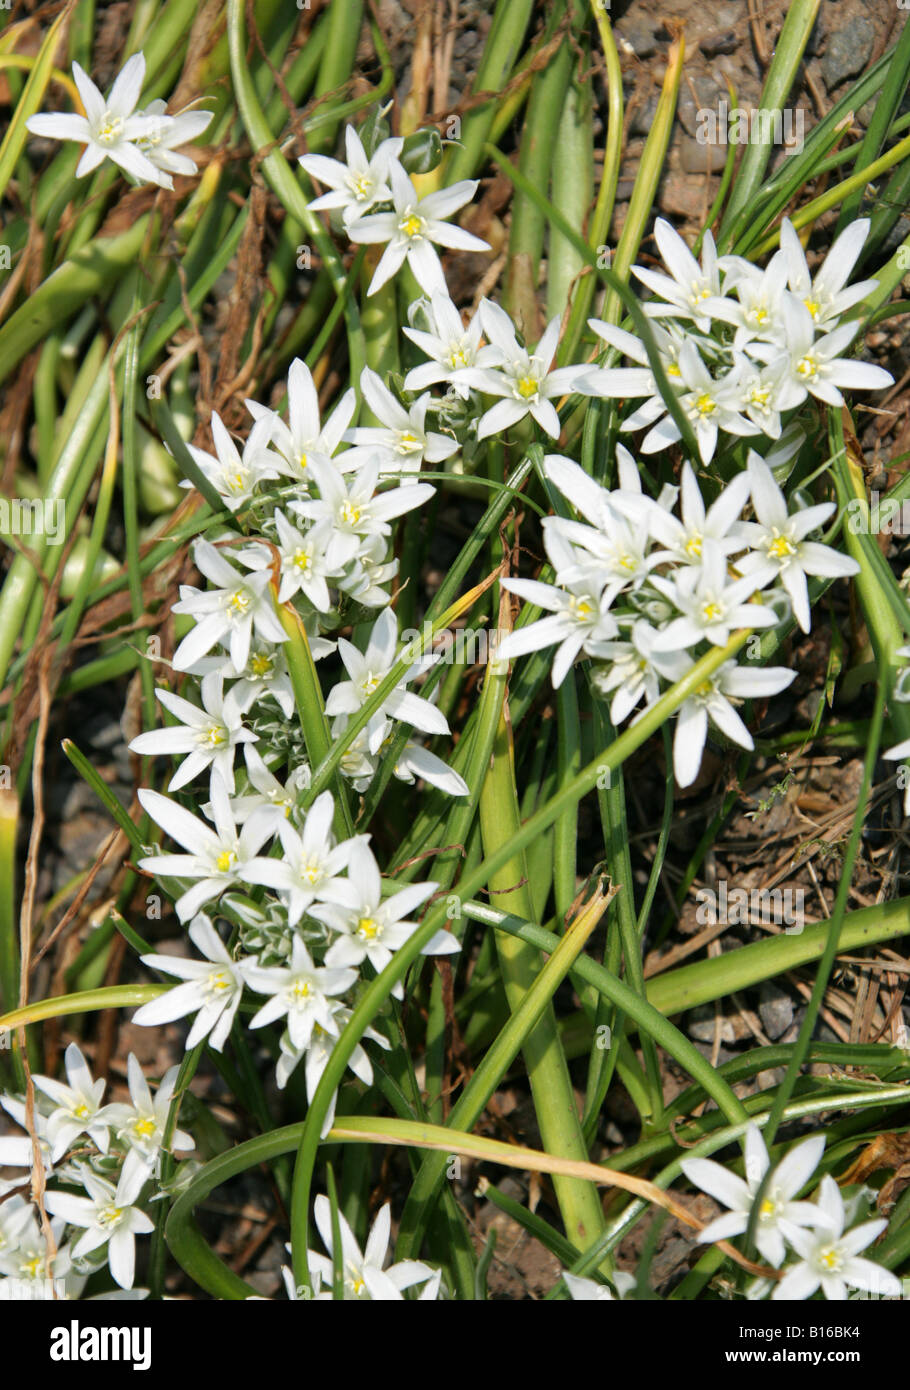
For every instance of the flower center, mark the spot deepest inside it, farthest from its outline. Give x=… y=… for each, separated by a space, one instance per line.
x=712 y=611
x=302 y=560
x=110 y=130
x=226 y=861
x=781 y=548
x=672 y=369
x=81 y=1111
x=369 y=683
x=261 y=665
x=144 y=1129
x=830 y=1259
x=361 y=185
x=239 y=602
x=527 y=387
x=412 y=225
x=807 y=367
x=237 y=482
x=458 y=357
x=369 y=929
x=301 y=989
x=771 y=1207
x=581 y=609
x=349 y=514
x=214 y=736
x=693 y=546
x=219 y=981
x=813 y=306
x=705 y=405
x=408 y=443
x=109 y=1216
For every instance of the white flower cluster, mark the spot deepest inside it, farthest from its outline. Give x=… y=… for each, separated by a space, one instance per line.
x=110 y=1153
x=739 y=345
x=364 y=1279
x=144 y=143
x=645 y=593
x=828 y=1254
x=639 y=590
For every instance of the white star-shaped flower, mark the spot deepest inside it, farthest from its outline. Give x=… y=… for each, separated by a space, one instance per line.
x=111 y=127
x=778 y=544
x=830 y=1257
x=360 y=183
x=216 y=854
x=413 y=227
x=362 y=1272
x=780 y=1214
x=211 y=990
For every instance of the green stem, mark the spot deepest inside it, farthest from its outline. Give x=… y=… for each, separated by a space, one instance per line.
x=520 y=964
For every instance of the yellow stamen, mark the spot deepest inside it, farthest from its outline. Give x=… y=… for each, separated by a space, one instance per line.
x=780 y=548
x=110 y=130
x=361 y=185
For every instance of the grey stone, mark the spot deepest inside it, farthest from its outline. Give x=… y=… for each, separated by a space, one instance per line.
x=848 y=51
x=639 y=35
x=716 y=44
x=817 y=37
x=683 y=197
x=698 y=158
x=775 y=1011
x=643 y=116
x=726 y=15
x=865 y=112
x=708 y=94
